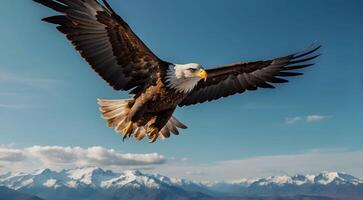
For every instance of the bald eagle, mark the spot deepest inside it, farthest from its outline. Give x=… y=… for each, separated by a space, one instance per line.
x=158 y=87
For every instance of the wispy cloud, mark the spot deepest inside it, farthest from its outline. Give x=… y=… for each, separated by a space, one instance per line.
x=58 y=157
x=13 y=106
x=308 y=118
x=309 y=162
x=292 y=120
x=55 y=157
x=12 y=155
x=316 y=118
x=16 y=90
x=195 y=173
x=17 y=79
x=10 y=145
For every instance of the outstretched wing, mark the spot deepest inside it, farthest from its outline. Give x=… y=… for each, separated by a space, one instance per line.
x=106 y=41
x=237 y=78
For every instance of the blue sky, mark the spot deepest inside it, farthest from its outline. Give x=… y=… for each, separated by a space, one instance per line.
x=48 y=93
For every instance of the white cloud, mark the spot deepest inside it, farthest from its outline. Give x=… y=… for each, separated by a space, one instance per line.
x=292 y=120
x=8 y=146
x=13 y=106
x=315 y=118
x=18 y=91
x=195 y=173
x=59 y=157
x=262 y=166
x=184 y=159
x=16 y=79
x=11 y=155
x=55 y=155
x=308 y=118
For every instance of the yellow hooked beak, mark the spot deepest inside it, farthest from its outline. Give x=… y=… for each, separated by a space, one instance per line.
x=203 y=74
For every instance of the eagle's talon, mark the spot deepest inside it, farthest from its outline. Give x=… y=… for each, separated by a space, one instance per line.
x=128 y=129
x=153 y=138
x=124 y=138
x=153 y=134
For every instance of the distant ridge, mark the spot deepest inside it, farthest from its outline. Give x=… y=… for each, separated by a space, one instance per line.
x=90 y=183
x=9 y=194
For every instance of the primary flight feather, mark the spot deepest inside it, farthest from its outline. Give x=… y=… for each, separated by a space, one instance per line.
x=115 y=52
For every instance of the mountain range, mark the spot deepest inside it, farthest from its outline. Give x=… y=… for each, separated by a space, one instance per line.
x=91 y=183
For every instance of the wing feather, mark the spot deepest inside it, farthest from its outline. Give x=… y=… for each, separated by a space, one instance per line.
x=106 y=42
x=237 y=78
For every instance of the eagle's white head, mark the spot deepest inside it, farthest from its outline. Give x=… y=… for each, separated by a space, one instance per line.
x=184 y=78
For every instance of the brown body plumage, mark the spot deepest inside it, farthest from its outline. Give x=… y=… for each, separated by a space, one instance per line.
x=150 y=109
x=115 y=52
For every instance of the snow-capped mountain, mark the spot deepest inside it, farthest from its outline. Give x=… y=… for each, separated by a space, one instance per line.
x=96 y=183
x=323 y=178
x=86 y=177
x=325 y=183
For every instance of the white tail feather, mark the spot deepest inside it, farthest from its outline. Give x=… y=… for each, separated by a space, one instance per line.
x=115 y=112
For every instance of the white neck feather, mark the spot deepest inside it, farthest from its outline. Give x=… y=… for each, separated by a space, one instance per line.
x=175 y=79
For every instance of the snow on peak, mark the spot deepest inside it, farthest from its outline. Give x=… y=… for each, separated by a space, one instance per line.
x=51 y=183
x=133 y=173
x=323 y=178
x=326 y=177
x=42 y=172
x=88 y=175
x=132 y=178
x=98 y=178
x=172 y=181
x=243 y=181
x=278 y=180
x=82 y=177
x=4 y=176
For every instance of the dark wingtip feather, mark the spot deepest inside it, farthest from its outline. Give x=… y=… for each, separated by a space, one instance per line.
x=277 y=80
x=297 y=67
x=53 y=5
x=108 y=6
x=304 y=59
x=267 y=86
x=113 y=12
x=303 y=53
x=56 y=19
x=289 y=74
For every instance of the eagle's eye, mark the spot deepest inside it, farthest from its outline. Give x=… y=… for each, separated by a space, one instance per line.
x=193 y=70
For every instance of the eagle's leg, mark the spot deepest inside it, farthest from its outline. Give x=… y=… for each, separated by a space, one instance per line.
x=128 y=129
x=133 y=115
x=151 y=130
x=153 y=134
x=159 y=122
